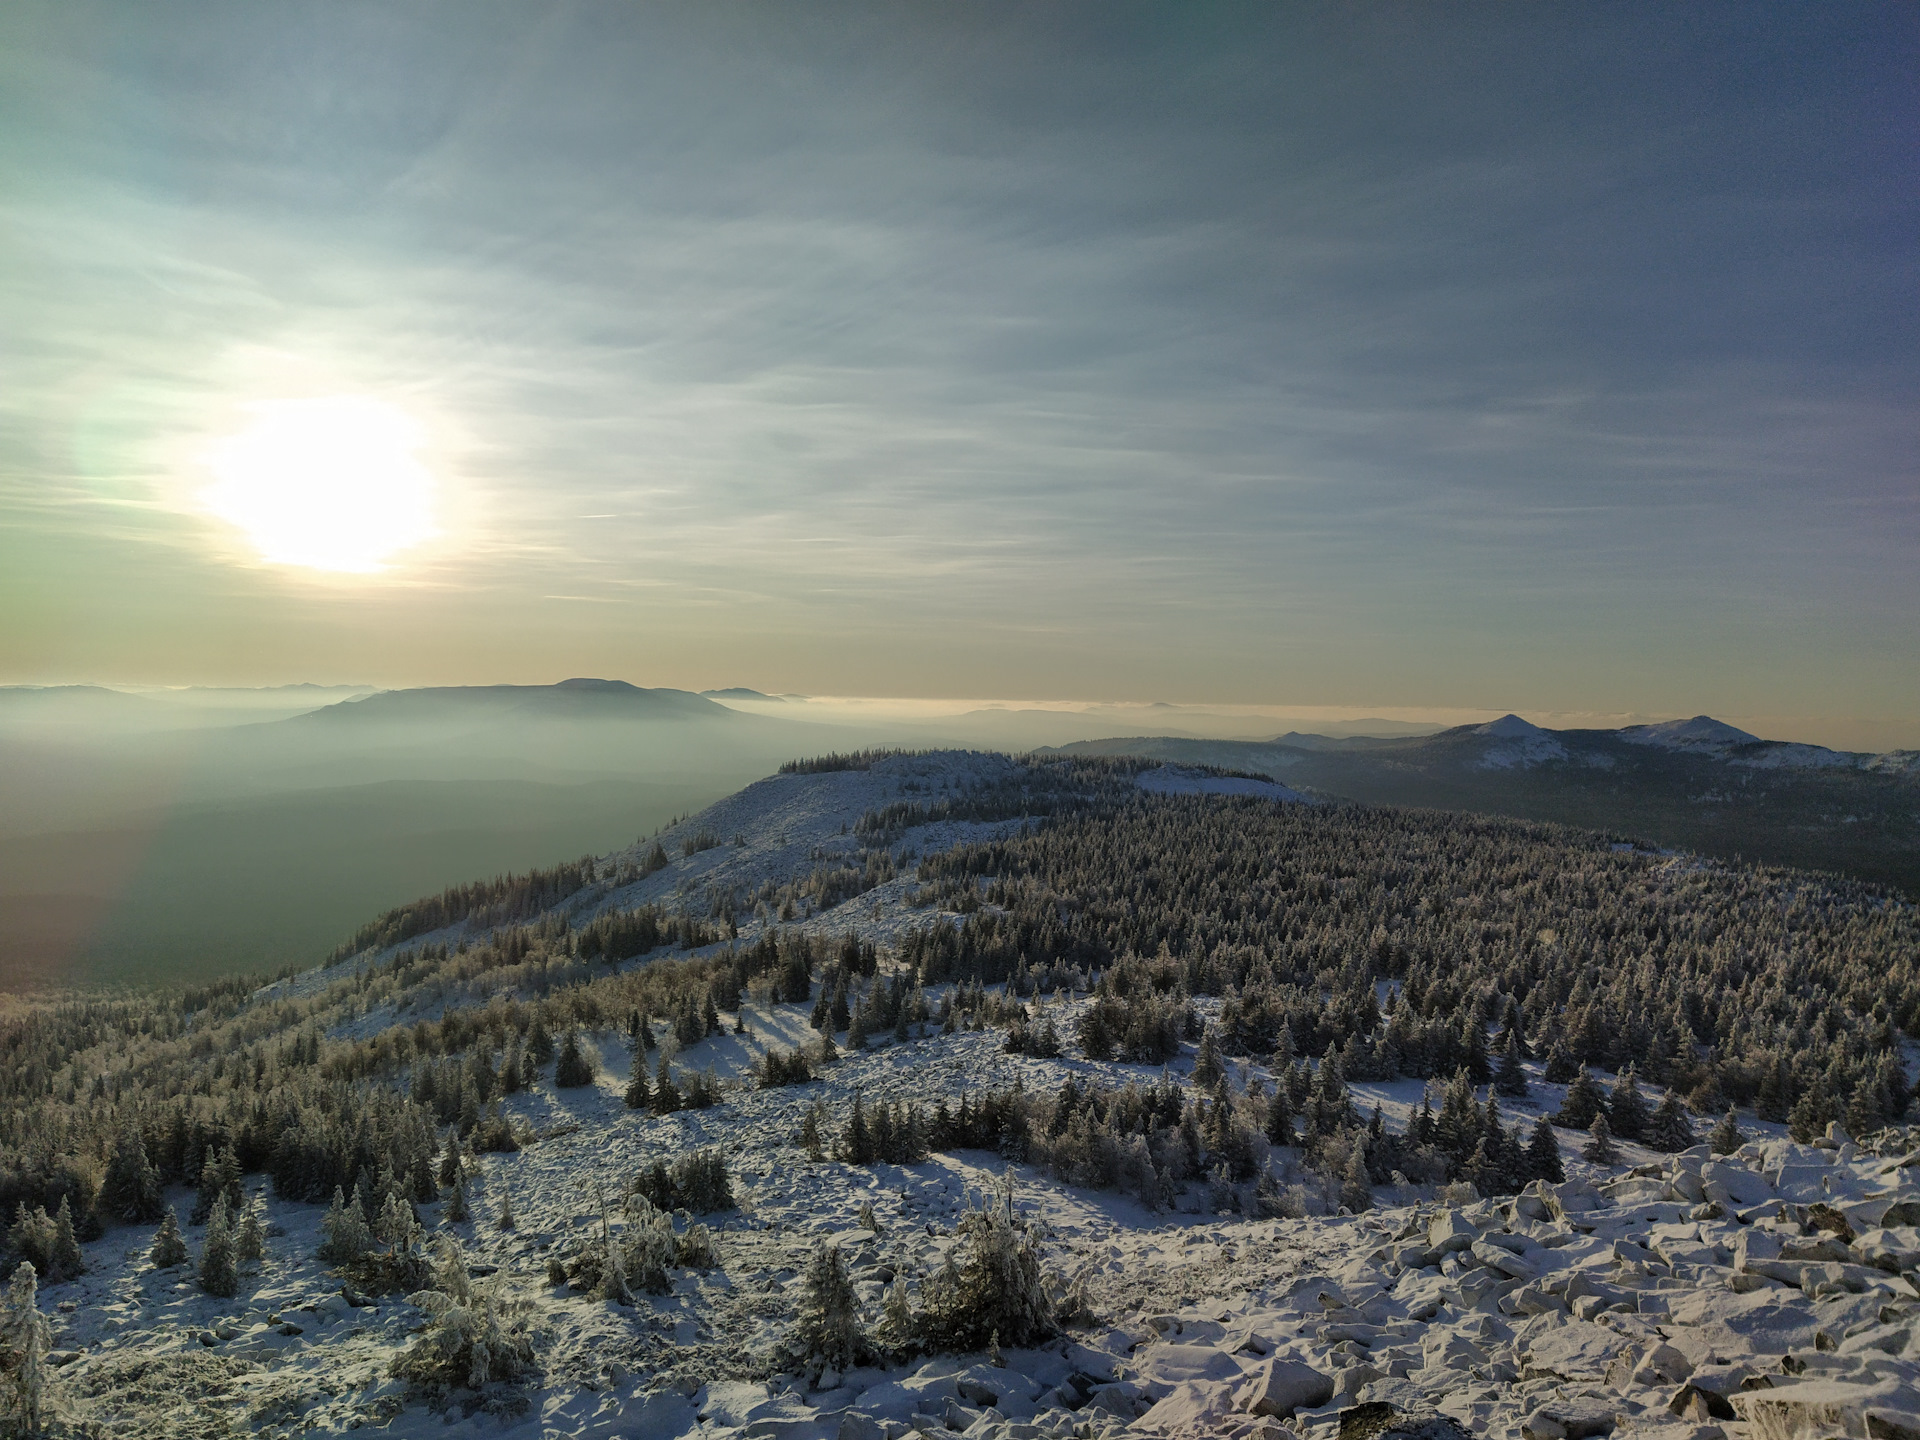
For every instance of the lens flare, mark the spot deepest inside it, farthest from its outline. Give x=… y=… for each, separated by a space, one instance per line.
x=325 y=484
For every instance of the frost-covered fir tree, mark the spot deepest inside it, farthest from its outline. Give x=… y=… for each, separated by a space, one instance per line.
x=506 y=1220
x=468 y=1343
x=1600 y=1148
x=1627 y=1111
x=639 y=1092
x=999 y=1288
x=573 y=1069
x=1670 y=1130
x=1726 y=1137
x=1511 y=1080
x=1356 y=1187
x=826 y=1333
x=458 y=1210
x=1543 y=1153
x=1585 y=1100
x=397 y=1228
x=67 y=1259
x=219 y=1266
x=1207 y=1070
x=169 y=1246
x=24 y=1340
x=130 y=1190
x=346 y=1236
x=250 y=1246
x=1279 y=1117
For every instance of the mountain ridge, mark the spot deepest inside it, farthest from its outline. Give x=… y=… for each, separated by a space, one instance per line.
x=1687 y=784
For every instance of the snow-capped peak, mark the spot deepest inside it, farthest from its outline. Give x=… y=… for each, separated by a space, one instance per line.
x=1702 y=731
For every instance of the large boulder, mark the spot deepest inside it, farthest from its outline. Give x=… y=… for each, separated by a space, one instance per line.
x=1816 y=1409
x=1191 y=1408
x=1744 y=1186
x=1279 y=1387
x=1571 y=1419
x=1449 y=1231
x=1576 y=1350
x=1165 y=1366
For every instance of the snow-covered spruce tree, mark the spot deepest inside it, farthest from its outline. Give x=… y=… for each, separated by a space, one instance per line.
x=1356 y=1188
x=1207 y=1069
x=999 y=1288
x=1511 y=1080
x=219 y=1266
x=458 y=1210
x=219 y=1179
x=468 y=1342
x=346 y=1236
x=826 y=1334
x=250 y=1246
x=1585 y=1099
x=24 y=1339
x=573 y=1069
x=1543 y=1153
x=66 y=1260
x=130 y=1190
x=506 y=1220
x=1726 y=1137
x=1627 y=1111
x=1600 y=1148
x=1561 y=1066
x=169 y=1246
x=639 y=1092
x=1670 y=1130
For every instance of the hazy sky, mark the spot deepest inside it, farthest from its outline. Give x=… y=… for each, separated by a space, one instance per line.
x=1550 y=356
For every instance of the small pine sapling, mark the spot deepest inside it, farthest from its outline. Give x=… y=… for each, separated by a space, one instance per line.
x=506 y=1220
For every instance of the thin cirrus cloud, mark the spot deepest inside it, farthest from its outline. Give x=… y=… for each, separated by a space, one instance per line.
x=1401 y=348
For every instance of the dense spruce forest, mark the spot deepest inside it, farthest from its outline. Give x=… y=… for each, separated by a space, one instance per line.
x=1396 y=939
x=1332 y=943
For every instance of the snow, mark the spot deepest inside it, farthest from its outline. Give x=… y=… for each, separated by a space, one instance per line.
x=1196 y=1313
x=1702 y=732
x=1180 y=780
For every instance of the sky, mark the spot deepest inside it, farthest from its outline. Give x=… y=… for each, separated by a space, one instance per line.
x=1553 y=358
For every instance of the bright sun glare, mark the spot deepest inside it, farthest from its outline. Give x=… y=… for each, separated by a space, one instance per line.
x=328 y=484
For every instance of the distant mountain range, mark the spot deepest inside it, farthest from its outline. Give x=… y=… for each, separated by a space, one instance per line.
x=582 y=699
x=1696 y=784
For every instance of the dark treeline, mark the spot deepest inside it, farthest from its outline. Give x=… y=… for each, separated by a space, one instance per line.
x=486 y=903
x=834 y=761
x=1394 y=940
x=1031 y=790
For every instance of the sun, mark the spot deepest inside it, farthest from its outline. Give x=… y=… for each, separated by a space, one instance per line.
x=333 y=483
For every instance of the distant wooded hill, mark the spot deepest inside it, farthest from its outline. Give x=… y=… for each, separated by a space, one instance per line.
x=1696 y=785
